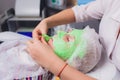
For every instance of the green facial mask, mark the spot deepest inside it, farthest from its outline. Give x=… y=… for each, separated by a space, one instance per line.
x=46 y=37
x=65 y=49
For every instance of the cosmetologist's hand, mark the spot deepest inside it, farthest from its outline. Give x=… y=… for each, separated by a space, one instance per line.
x=40 y=29
x=40 y=51
x=44 y=55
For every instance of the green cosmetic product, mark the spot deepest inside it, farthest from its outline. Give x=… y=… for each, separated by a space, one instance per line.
x=66 y=49
x=46 y=37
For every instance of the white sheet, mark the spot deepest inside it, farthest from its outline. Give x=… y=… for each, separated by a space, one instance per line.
x=15 y=62
x=7 y=36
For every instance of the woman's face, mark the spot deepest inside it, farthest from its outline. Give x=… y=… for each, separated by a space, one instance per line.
x=64 y=43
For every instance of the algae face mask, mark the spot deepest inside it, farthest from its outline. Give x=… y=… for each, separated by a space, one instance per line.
x=81 y=49
x=65 y=43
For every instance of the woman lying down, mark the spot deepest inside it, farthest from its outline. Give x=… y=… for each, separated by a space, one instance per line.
x=81 y=49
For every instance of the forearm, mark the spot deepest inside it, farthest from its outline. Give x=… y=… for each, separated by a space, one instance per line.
x=69 y=73
x=63 y=17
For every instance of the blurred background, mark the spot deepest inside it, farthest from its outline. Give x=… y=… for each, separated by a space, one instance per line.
x=22 y=16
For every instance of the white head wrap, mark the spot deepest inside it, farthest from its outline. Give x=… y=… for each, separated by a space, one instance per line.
x=92 y=50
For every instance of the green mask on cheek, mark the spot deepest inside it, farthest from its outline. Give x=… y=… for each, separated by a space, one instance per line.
x=65 y=49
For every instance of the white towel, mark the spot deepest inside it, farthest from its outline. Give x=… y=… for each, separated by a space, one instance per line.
x=15 y=62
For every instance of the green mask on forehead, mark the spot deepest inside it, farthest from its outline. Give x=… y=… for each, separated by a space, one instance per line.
x=65 y=49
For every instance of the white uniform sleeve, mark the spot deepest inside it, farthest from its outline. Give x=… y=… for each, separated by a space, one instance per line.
x=92 y=10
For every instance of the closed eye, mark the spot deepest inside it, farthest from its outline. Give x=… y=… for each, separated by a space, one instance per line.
x=68 y=38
